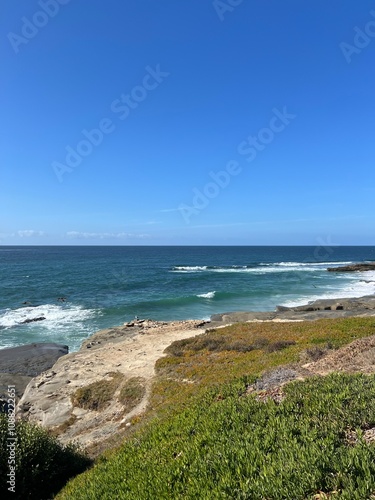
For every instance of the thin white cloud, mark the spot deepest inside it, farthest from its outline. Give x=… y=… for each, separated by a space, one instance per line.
x=222 y=225
x=30 y=233
x=103 y=236
x=152 y=222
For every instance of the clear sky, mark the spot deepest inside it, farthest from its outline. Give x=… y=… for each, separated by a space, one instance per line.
x=144 y=122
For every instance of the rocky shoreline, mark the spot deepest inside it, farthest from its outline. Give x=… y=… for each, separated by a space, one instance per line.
x=318 y=309
x=47 y=377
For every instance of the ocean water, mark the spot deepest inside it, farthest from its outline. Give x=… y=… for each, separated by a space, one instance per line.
x=107 y=286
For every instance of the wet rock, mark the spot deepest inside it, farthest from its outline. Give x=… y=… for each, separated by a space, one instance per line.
x=7 y=380
x=31 y=359
x=31 y=320
x=282 y=308
x=353 y=267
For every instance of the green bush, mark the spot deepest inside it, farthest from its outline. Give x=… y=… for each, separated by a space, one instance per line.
x=228 y=445
x=42 y=464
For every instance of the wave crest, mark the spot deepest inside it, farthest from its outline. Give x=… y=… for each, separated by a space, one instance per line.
x=208 y=295
x=189 y=269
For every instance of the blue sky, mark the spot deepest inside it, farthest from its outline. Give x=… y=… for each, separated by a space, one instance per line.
x=187 y=122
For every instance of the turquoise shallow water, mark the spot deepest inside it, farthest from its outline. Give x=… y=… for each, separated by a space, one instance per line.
x=106 y=286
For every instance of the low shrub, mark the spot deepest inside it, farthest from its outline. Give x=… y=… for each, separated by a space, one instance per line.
x=316 y=352
x=214 y=341
x=97 y=395
x=280 y=345
x=132 y=393
x=41 y=464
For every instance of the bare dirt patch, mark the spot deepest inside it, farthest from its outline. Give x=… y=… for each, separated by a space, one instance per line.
x=357 y=357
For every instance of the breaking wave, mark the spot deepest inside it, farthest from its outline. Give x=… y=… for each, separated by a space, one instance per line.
x=261 y=268
x=55 y=316
x=208 y=295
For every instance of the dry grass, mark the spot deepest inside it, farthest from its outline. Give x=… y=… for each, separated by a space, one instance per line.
x=245 y=350
x=214 y=342
x=63 y=427
x=132 y=393
x=97 y=395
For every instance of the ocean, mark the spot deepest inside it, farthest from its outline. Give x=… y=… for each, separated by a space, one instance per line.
x=82 y=289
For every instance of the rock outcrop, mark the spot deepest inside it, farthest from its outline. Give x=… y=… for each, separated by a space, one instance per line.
x=370 y=266
x=113 y=355
x=18 y=365
x=31 y=359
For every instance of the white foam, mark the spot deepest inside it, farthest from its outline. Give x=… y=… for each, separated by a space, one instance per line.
x=189 y=269
x=263 y=268
x=56 y=316
x=363 y=284
x=208 y=295
x=322 y=264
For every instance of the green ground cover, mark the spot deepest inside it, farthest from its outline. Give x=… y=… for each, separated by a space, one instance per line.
x=234 y=446
x=205 y=437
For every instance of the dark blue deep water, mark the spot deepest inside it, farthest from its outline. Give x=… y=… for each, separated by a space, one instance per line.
x=107 y=286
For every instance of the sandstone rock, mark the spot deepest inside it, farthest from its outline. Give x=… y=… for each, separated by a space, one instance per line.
x=127 y=352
